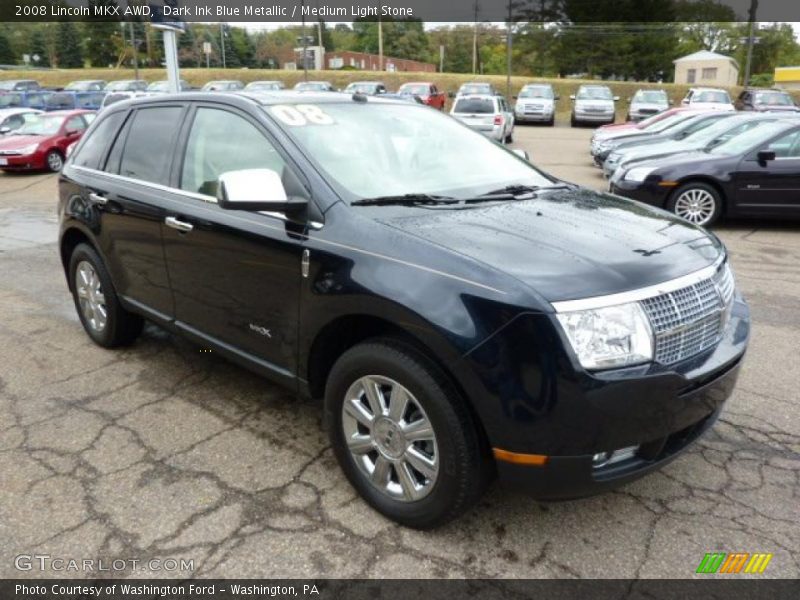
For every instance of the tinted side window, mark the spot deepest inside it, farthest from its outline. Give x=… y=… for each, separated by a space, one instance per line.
x=75 y=124
x=787 y=146
x=147 y=149
x=219 y=142
x=92 y=150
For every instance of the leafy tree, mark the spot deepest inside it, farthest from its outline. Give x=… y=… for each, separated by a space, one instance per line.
x=6 y=53
x=68 y=46
x=243 y=46
x=38 y=48
x=231 y=57
x=104 y=42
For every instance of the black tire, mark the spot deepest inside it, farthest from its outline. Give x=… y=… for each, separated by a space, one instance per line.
x=121 y=327
x=572 y=121
x=53 y=158
x=464 y=468
x=509 y=138
x=551 y=122
x=702 y=189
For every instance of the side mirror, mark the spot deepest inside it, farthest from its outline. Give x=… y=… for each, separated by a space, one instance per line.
x=522 y=153
x=451 y=95
x=671 y=102
x=557 y=97
x=514 y=97
x=71 y=132
x=764 y=156
x=572 y=97
x=4 y=130
x=256 y=190
x=616 y=98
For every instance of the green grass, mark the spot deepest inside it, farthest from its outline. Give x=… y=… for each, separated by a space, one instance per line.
x=445 y=81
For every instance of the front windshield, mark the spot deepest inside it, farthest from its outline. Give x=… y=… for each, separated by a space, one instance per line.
x=667 y=122
x=267 y=85
x=7 y=100
x=413 y=88
x=726 y=128
x=7 y=85
x=475 y=88
x=749 y=139
x=311 y=87
x=650 y=96
x=79 y=86
x=537 y=92
x=119 y=86
x=774 y=99
x=372 y=149
x=594 y=93
x=40 y=125
x=364 y=88
x=158 y=86
x=712 y=96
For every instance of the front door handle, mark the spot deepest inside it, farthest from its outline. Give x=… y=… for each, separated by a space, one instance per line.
x=98 y=199
x=179 y=225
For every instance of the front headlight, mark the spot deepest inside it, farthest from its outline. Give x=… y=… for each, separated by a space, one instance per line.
x=639 y=174
x=613 y=336
x=30 y=149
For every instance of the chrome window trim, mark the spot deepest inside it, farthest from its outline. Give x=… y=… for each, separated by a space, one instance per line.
x=641 y=293
x=172 y=190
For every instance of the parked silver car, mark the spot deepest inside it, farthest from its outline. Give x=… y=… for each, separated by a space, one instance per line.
x=646 y=103
x=490 y=115
x=536 y=102
x=264 y=86
x=593 y=104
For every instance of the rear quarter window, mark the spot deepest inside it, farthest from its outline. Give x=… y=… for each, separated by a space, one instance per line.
x=92 y=150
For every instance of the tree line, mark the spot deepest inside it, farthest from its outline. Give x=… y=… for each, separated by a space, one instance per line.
x=641 y=51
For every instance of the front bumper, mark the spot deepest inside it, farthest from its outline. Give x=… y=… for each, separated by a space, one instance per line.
x=593 y=117
x=646 y=192
x=551 y=409
x=21 y=163
x=533 y=117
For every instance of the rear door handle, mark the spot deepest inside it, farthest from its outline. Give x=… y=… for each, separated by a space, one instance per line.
x=98 y=199
x=179 y=225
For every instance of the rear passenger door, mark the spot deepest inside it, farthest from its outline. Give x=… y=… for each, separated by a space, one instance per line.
x=235 y=274
x=129 y=187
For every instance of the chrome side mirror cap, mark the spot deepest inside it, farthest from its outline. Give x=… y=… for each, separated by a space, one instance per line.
x=522 y=153
x=256 y=190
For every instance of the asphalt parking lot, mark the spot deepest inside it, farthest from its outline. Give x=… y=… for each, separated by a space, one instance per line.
x=161 y=451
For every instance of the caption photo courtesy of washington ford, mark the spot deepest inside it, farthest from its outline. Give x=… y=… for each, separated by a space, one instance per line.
x=337 y=300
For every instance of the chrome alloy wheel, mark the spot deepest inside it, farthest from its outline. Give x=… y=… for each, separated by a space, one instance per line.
x=696 y=206
x=90 y=296
x=390 y=438
x=54 y=161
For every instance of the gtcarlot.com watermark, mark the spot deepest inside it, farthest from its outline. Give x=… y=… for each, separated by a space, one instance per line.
x=46 y=562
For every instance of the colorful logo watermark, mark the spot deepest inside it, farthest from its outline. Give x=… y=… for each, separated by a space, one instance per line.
x=735 y=562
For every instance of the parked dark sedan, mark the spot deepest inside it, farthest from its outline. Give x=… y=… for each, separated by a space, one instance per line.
x=755 y=174
x=463 y=314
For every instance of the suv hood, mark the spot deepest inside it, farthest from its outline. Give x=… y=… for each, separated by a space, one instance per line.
x=570 y=244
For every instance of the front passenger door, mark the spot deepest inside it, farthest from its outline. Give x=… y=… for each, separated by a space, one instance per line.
x=774 y=185
x=235 y=275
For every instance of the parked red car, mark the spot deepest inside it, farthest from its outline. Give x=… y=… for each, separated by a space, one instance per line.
x=426 y=91
x=634 y=125
x=41 y=143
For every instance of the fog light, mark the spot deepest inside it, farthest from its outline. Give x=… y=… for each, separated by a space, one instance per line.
x=602 y=459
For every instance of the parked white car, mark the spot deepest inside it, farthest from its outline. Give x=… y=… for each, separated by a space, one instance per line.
x=593 y=104
x=708 y=98
x=12 y=119
x=490 y=115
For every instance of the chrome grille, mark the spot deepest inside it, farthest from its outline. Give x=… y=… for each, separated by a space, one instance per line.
x=691 y=319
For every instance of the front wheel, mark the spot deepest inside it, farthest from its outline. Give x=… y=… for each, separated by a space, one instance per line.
x=403 y=436
x=697 y=202
x=54 y=161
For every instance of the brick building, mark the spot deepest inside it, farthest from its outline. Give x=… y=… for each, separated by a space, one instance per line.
x=371 y=62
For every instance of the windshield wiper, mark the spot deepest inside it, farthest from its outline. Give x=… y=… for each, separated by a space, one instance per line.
x=405 y=199
x=517 y=190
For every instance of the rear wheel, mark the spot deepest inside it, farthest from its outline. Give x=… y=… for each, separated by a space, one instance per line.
x=101 y=314
x=510 y=137
x=403 y=436
x=697 y=202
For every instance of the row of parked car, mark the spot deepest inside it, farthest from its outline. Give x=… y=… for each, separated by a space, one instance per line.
x=702 y=164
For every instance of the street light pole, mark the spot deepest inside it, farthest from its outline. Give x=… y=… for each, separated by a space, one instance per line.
x=750 y=40
x=508 y=53
x=305 y=40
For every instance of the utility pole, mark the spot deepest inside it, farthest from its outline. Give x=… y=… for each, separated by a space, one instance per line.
x=222 y=43
x=441 y=58
x=751 y=17
x=135 y=50
x=305 y=40
x=508 y=51
x=476 y=8
x=380 y=44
